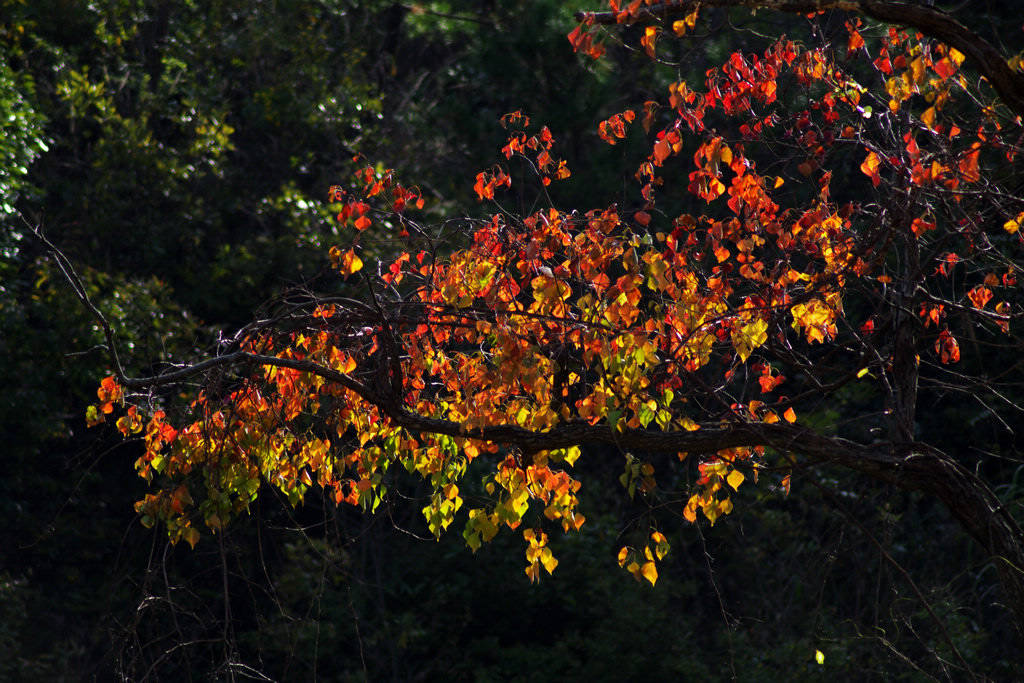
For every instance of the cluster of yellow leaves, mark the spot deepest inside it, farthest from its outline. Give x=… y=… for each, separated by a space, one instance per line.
x=715 y=474
x=643 y=564
x=817 y=318
x=538 y=554
x=440 y=511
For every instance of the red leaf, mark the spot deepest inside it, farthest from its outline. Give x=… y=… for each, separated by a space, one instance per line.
x=947 y=347
x=944 y=68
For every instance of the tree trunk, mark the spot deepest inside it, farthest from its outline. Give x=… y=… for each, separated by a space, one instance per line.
x=980 y=513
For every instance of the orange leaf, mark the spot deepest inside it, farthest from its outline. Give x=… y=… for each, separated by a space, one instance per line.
x=349 y=263
x=968 y=165
x=980 y=296
x=661 y=151
x=856 y=41
x=869 y=167
x=650 y=36
x=928 y=117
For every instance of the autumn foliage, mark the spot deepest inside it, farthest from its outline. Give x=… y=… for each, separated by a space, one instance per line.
x=687 y=331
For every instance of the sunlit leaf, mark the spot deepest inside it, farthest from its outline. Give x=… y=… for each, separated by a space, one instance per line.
x=649 y=572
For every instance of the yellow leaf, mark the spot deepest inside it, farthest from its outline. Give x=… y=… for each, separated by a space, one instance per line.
x=928 y=117
x=623 y=554
x=548 y=560
x=349 y=263
x=650 y=572
x=690 y=511
x=749 y=337
x=688 y=424
x=917 y=70
x=1011 y=226
x=734 y=479
x=662 y=547
x=725 y=506
x=711 y=512
x=819 y=656
x=520 y=502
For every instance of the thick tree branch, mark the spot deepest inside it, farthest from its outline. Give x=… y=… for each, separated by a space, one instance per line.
x=909 y=466
x=932 y=22
x=885 y=461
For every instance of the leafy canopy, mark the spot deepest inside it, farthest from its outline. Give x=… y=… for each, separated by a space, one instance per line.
x=806 y=220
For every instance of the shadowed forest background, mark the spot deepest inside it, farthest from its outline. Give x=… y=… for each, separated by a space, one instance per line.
x=180 y=153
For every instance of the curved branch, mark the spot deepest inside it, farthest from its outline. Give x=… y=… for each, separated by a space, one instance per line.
x=987 y=59
x=880 y=460
x=909 y=466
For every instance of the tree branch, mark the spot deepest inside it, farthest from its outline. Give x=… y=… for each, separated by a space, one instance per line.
x=878 y=460
x=71 y=275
